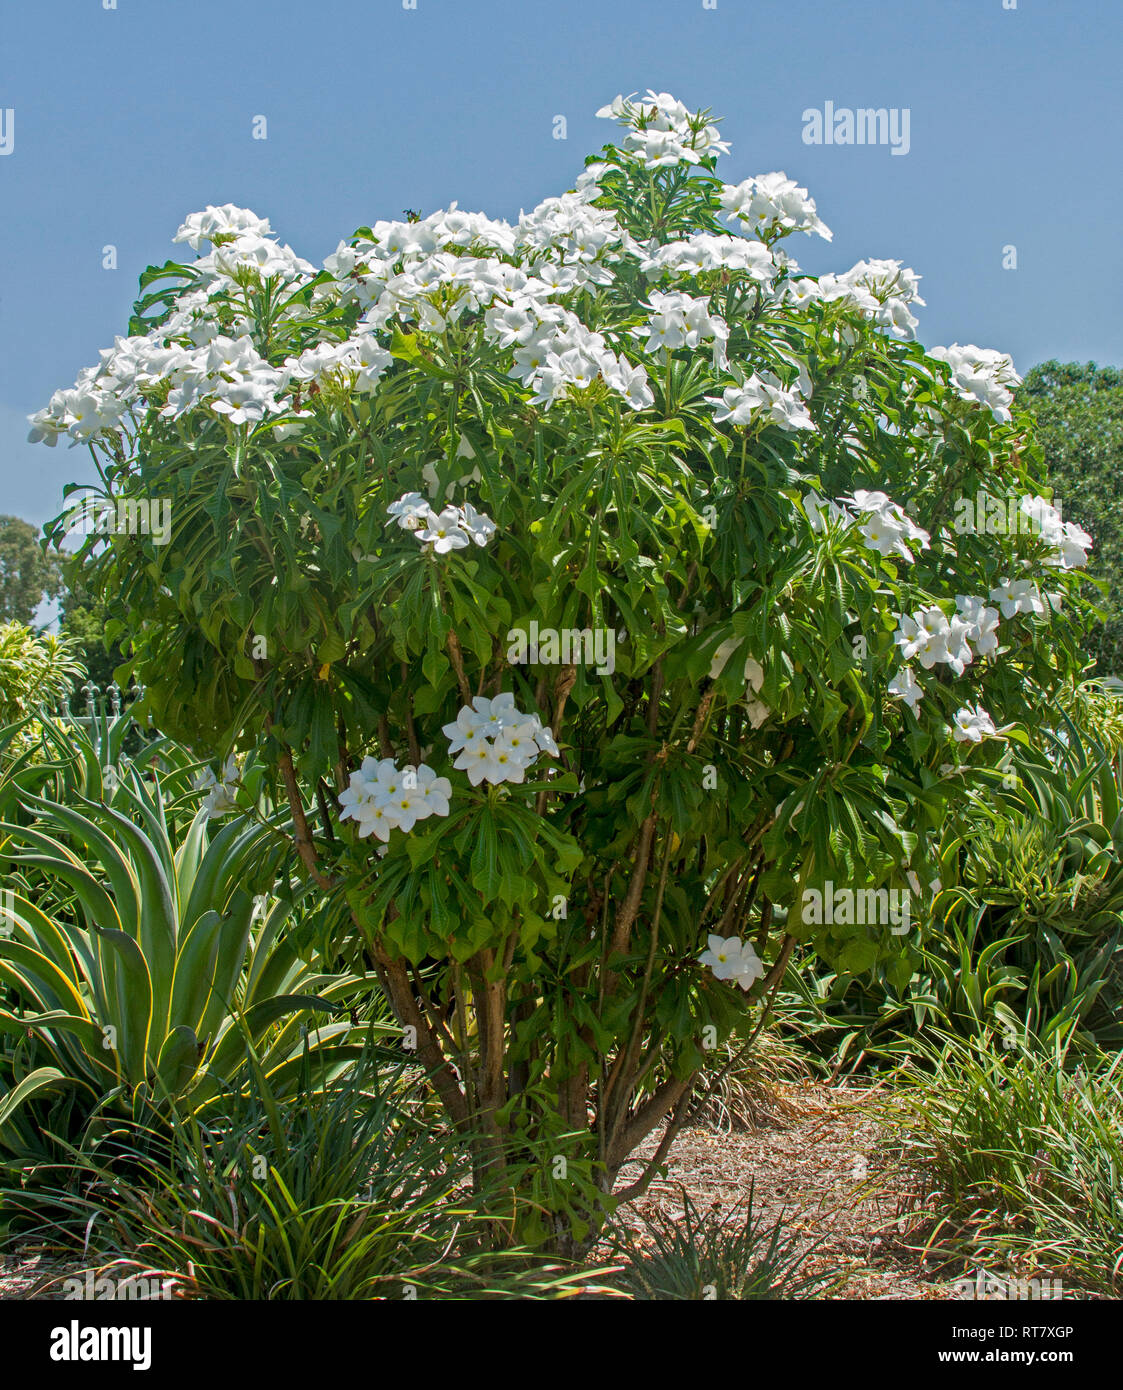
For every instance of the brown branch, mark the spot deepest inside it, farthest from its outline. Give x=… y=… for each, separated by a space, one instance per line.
x=456 y=656
x=641 y=1184
x=395 y=981
x=411 y=731
x=301 y=836
x=664 y=1098
x=629 y=909
x=700 y=719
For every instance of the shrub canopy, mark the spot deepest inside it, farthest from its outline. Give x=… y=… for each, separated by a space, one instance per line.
x=593 y=584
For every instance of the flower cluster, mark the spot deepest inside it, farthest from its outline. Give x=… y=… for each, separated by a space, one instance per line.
x=931 y=637
x=1070 y=542
x=972 y=725
x=453 y=528
x=730 y=958
x=880 y=290
x=772 y=205
x=881 y=523
x=680 y=320
x=766 y=397
x=661 y=131
x=360 y=357
x=220 y=224
x=983 y=375
x=221 y=792
x=704 y=251
x=554 y=352
x=568 y=242
x=381 y=798
x=497 y=742
x=884 y=527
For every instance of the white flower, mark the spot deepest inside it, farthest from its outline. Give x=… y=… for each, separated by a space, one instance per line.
x=730 y=958
x=762 y=392
x=413 y=512
x=466 y=730
x=221 y=796
x=704 y=251
x=821 y=513
x=380 y=798
x=432 y=793
x=495 y=741
x=480 y=763
x=931 y=637
x=443 y=531
x=662 y=132
x=680 y=320
x=226 y=220
x=521 y=740
x=770 y=203
x=983 y=375
x=1017 y=596
x=904 y=686
x=481 y=528
x=544 y=738
x=886 y=528
x=972 y=725
x=983 y=620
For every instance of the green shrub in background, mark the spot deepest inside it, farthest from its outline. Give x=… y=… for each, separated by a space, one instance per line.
x=1027 y=930
x=1078 y=414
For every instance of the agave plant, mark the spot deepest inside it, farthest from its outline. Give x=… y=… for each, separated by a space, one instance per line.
x=738 y=1254
x=141 y=972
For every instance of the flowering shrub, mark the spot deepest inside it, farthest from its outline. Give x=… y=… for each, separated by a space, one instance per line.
x=619 y=416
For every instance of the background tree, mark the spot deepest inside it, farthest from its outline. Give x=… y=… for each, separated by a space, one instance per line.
x=82 y=618
x=1079 y=412
x=28 y=573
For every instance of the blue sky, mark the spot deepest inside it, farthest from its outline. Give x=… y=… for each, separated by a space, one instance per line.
x=127 y=119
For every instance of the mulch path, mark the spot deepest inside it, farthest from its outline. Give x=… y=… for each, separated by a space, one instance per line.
x=824 y=1165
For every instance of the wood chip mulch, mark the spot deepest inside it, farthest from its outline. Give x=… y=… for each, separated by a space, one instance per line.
x=822 y=1161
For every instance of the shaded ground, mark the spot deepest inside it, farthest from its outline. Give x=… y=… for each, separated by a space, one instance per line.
x=30 y=1277
x=821 y=1166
